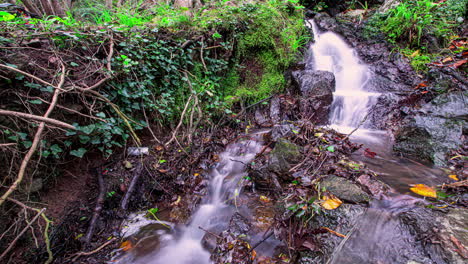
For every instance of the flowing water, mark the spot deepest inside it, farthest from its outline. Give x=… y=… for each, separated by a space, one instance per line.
x=379 y=236
x=185 y=247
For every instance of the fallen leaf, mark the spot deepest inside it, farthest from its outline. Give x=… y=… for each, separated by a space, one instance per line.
x=448 y=59
x=368 y=153
x=309 y=245
x=453 y=177
x=264 y=199
x=331 y=202
x=163 y=171
x=416 y=53
x=424 y=190
x=126 y=245
x=459 y=63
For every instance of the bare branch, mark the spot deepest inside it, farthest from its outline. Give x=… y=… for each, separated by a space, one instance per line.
x=38 y=118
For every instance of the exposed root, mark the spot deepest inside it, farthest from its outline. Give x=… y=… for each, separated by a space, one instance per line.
x=98 y=208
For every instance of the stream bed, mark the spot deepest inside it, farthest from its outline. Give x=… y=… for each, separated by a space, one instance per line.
x=388 y=230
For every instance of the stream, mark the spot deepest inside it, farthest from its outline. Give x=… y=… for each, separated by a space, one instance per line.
x=377 y=237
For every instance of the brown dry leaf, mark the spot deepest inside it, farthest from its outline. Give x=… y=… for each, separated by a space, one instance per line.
x=126 y=245
x=331 y=202
x=453 y=177
x=448 y=59
x=424 y=190
x=458 y=63
x=158 y=147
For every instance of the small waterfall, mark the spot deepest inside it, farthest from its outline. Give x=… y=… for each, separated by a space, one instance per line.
x=186 y=248
x=351 y=101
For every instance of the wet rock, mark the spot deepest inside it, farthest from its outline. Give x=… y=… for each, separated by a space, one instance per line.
x=375 y=187
x=344 y=189
x=239 y=225
x=265 y=180
x=435 y=129
x=439 y=233
x=283 y=156
x=389 y=4
x=283 y=131
x=341 y=220
x=275 y=110
x=231 y=245
x=314 y=83
x=317 y=89
x=261 y=120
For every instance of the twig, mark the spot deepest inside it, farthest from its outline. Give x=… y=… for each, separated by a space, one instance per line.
x=27 y=74
x=38 y=118
x=37 y=139
x=21 y=233
x=46 y=229
x=131 y=187
x=79 y=254
x=209 y=232
x=333 y=232
x=98 y=208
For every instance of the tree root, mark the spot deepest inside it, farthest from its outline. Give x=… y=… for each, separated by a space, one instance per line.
x=98 y=208
x=38 y=118
x=131 y=187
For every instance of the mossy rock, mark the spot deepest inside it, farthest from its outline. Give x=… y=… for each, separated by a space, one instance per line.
x=344 y=189
x=283 y=156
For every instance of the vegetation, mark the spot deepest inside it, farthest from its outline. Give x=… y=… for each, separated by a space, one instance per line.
x=88 y=77
x=421 y=28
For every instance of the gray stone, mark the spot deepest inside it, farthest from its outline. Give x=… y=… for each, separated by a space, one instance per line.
x=344 y=189
x=283 y=156
x=316 y=88
x=436 y=129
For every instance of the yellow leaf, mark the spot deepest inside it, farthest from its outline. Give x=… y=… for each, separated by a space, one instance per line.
x=264 y=199
x=331 y=202
x=424 y=190
x=453 y=177
x=416 y=53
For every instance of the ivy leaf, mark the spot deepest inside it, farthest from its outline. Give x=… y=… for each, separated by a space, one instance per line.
x=37 y=101
x=78 y=153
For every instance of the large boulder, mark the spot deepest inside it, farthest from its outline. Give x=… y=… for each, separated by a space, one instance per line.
x=435 y=129
x=316 y=88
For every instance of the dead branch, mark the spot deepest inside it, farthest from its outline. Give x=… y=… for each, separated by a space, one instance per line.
x=108 y=66
x=21 y=233
x=27 y=74
x=37 y=139
x=98 y=208
x=38 y=118
x=131 y=187
x=79 y=254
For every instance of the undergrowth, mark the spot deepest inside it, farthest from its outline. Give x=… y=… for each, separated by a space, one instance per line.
x=421 y=28
x=163 y=56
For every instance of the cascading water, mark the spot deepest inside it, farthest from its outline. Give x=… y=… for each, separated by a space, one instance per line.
x=378 y=235
x=351 y=101
x=186 y=248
